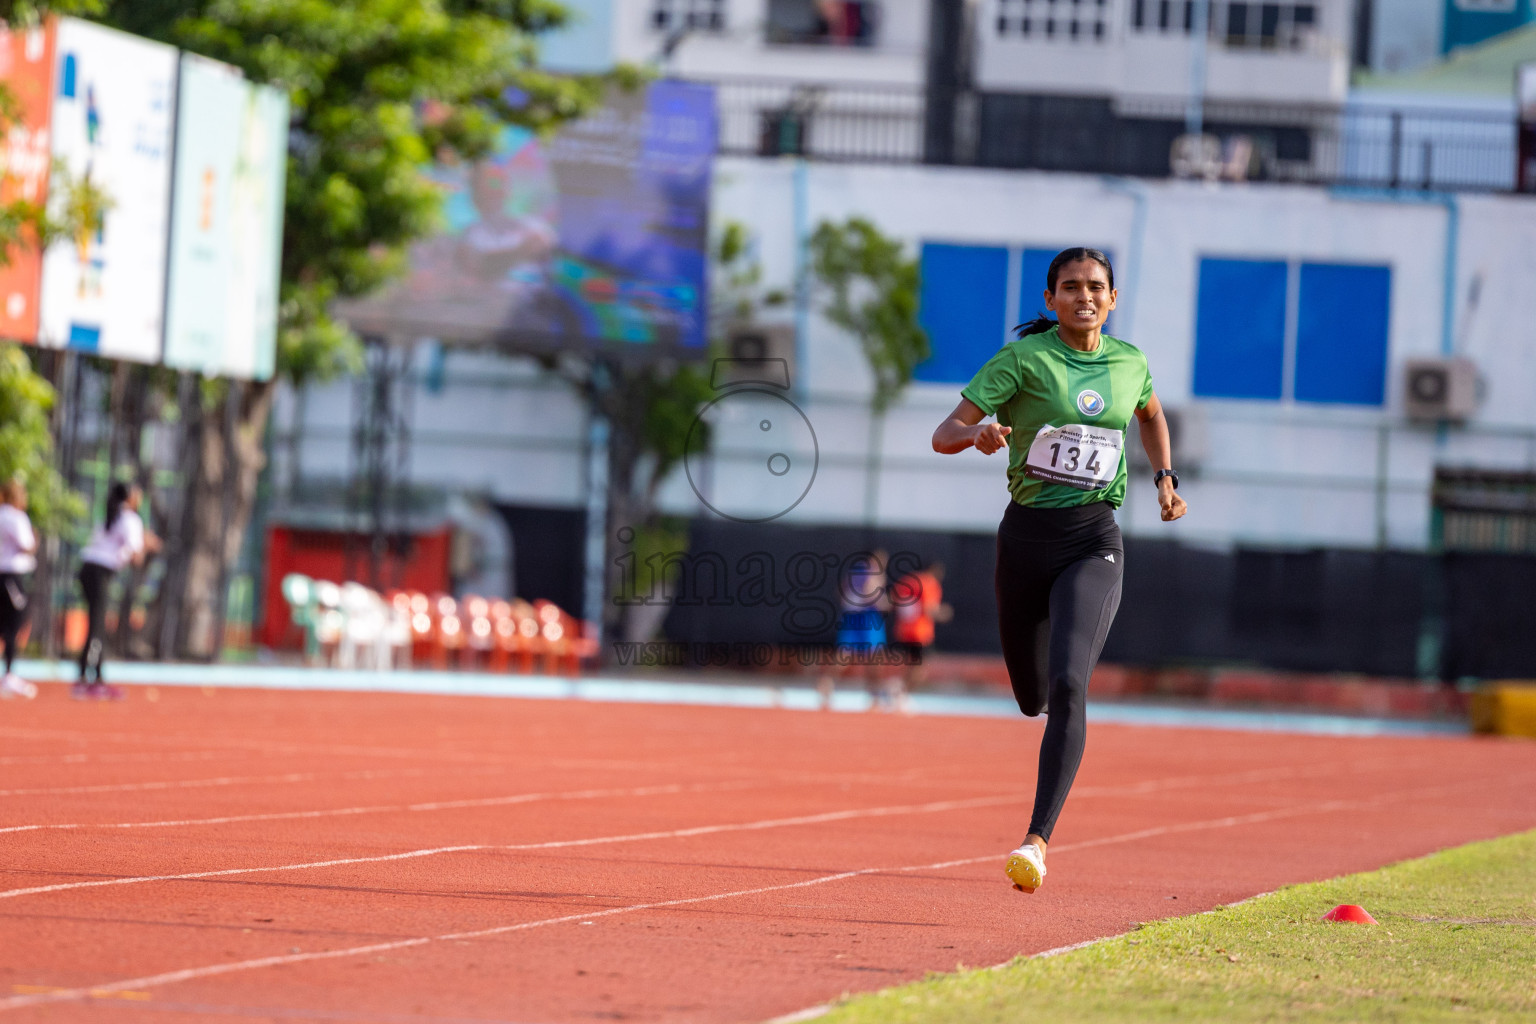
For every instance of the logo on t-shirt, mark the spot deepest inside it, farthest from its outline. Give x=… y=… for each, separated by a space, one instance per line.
x=1090 y=402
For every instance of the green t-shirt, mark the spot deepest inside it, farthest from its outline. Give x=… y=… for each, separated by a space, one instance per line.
x=1039 y=382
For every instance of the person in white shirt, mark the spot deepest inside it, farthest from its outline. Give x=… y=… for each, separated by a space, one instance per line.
x=18 y=547
x=120 y=540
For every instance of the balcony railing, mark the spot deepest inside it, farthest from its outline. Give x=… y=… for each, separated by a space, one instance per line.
x=1400 y=148
x=831 y=122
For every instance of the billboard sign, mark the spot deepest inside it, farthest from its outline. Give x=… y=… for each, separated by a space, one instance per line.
x=103 y=291
x=26 y=68
x=226 y=223
x=597 y=238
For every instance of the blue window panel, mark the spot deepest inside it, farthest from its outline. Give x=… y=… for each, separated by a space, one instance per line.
x=962 y=302
x=1035 y=264
x=1240 y=329
x=1341 y=333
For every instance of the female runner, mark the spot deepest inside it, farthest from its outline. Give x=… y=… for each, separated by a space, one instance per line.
x=1062 y=395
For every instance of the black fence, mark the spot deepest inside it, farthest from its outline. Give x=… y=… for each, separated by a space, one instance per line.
x=761 y=117
x=1358 y=145
x=1389 y=613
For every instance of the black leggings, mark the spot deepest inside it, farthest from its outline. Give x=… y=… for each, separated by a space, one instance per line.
x=1058 y=588
x=12 y=618
x=93 y=580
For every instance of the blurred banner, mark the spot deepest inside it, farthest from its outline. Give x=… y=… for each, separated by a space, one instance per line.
x=26 y=67
x=226 y=223
x=595 y=239
x=104 y=291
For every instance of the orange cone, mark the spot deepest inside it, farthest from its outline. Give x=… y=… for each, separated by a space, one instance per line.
x=1349 y=912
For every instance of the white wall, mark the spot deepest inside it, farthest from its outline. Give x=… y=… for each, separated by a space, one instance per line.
x=1274 y=472
x=1282 y=473
x=1151 y=63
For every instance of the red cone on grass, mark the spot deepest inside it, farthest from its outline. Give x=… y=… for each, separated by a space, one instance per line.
x=1349 y=912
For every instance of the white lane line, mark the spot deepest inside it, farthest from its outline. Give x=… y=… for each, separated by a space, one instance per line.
x=1125 y=789
x=435 y=805
x=279 y=748
x=212 y=970
x=223 y=780
x=681 y=833
x=54 y=759
x=192 y=973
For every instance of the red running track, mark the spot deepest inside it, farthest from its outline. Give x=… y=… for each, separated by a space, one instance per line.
x=385 y=858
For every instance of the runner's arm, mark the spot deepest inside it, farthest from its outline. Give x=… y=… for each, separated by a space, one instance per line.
x=963 y=428
x=1159 y=449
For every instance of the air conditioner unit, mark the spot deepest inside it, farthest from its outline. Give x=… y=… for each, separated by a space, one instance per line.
x=1436 y=390
x=757 y=354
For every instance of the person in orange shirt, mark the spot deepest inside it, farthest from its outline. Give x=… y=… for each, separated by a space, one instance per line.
x=918 y=603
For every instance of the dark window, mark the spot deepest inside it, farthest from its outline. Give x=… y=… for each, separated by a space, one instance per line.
x=1139 y=14
x=1164 y=10
x=1046 y=19
x=1269 y=24
x=668 y=15
x=835 y=22
x=1237 y=24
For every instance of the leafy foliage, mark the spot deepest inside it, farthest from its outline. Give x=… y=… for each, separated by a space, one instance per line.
x=26 y=442
x=872 y=290
x=29 y=12
x=736 y=280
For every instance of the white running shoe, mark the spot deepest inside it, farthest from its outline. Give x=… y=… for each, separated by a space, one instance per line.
x=15 y=686
x=1026 y=868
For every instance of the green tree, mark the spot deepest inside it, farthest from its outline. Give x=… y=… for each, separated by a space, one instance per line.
x=26 y=397
x=870 y=289
x=651 y=409
x=377 y=88
x=26 y=442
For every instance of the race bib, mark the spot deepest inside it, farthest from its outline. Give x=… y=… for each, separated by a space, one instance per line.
x=1076 y=455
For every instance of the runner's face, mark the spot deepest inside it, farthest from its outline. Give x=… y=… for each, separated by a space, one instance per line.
x=1083 y=297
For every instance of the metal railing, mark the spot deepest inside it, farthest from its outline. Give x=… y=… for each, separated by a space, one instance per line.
x=764 y=117
x=1355 y=144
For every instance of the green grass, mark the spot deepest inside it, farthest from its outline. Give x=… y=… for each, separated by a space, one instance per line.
x=1456 y=942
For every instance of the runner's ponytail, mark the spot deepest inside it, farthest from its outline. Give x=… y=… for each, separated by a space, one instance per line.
x=1039 y=325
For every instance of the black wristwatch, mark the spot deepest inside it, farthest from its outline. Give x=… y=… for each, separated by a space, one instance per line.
x=1157 y=477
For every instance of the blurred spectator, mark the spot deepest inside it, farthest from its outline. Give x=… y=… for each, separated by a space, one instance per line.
x=120 y=540
x=18 y=545
x=861 y=628
x=918 y=603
